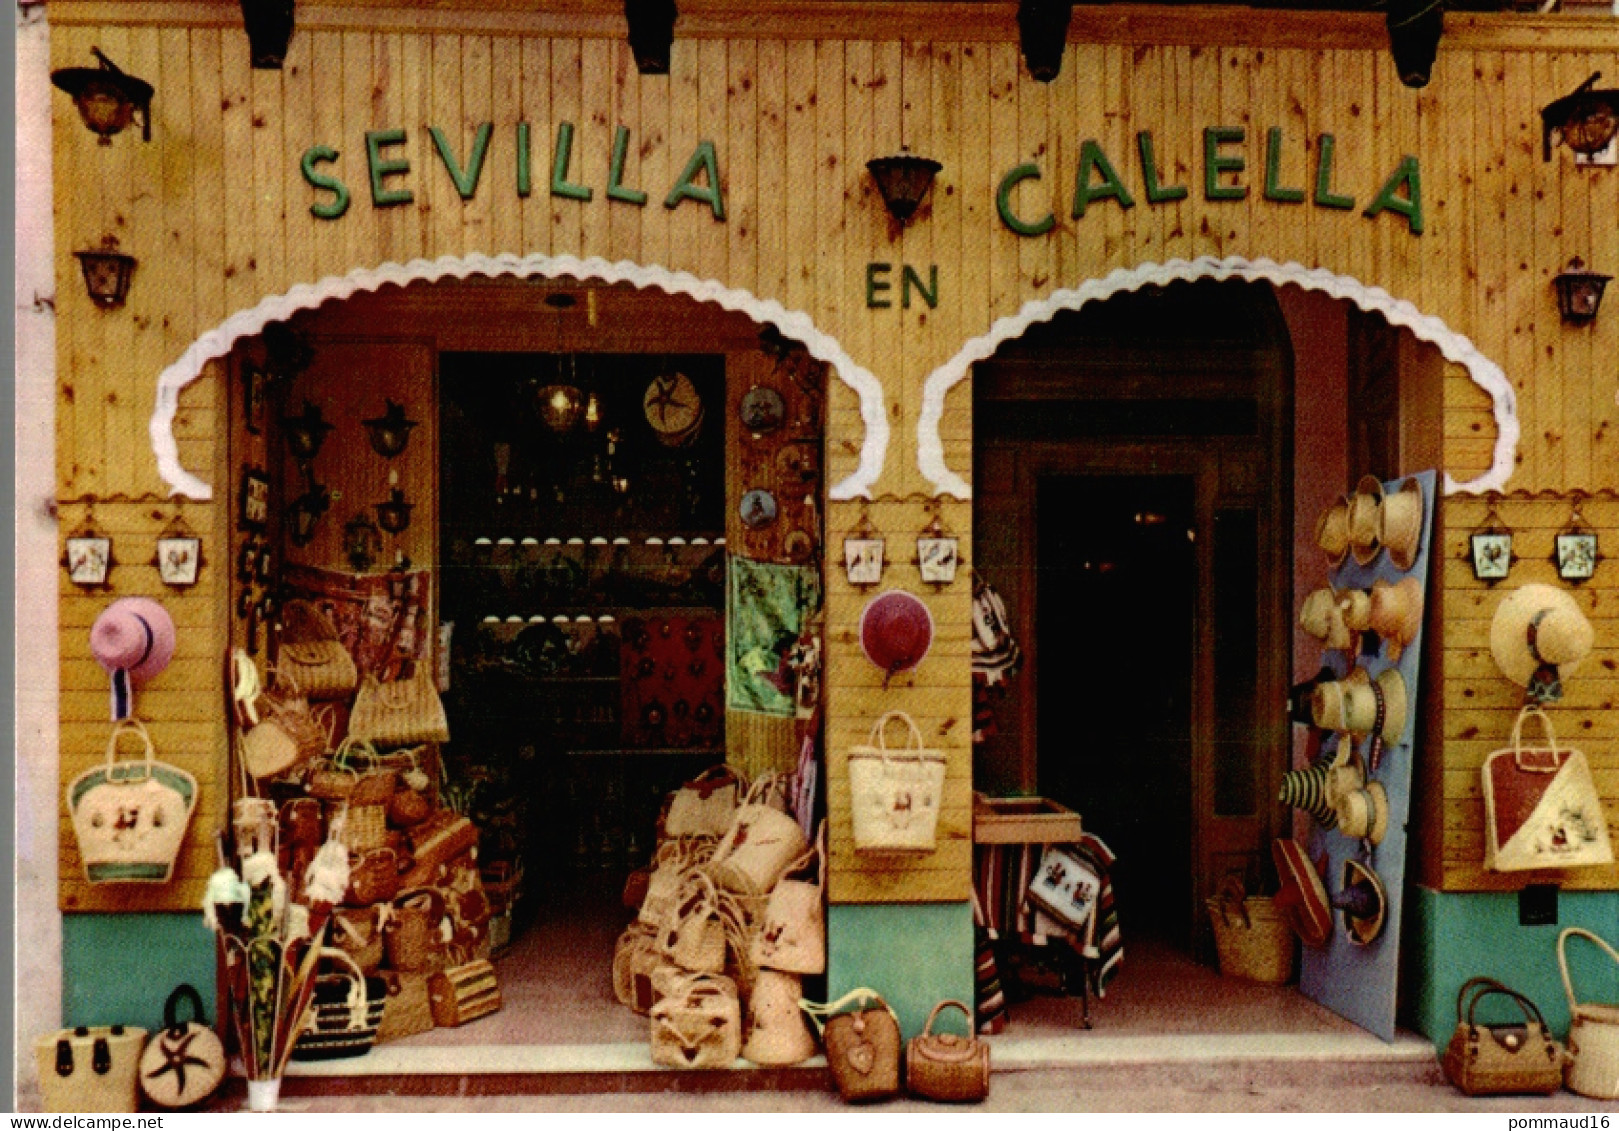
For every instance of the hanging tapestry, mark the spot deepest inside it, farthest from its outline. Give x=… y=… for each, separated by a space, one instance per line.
x=771 y=607
x=381 y=618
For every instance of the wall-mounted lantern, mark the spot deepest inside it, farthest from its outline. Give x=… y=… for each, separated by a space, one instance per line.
x=652 y=33
x=306 y=432
x=361 y=542
x=561 y=407
x=1415 y=28
x=107 y=98
x=904 y=181
x=1579 y=292
x=390 y=432
x=306 y=512
x=394 y=515
x=107 y=273
x=269 y=31
x=1586 y=121
x=1043 y=34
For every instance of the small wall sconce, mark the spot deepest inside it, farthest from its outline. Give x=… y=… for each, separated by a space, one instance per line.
x=88 y=556
x=652 y=33
x=106 y=97
x=306 y=512
x=361 y=542
x=1491 y=549
x=394 y=515
x=269 y=31
x=561 y=407
x=107 y=273
x=306 y=432
x=390 y=432
x=903 y=181
x=1586 y=121
x=1415 y=28
x=179 y=555
x=1577 y=552
x=1579 y=292
x=1043 y=35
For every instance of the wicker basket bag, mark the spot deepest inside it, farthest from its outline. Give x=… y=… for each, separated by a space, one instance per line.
x=1254 y=940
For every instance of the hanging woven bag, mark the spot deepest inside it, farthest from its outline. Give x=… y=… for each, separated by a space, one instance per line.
x=791 y=935
x=761 y=843
x=130 y=817
x=895 y=794
x=311 y=652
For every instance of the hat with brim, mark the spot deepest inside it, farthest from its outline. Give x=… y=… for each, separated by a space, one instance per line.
x=1401 y=524
x=133 y=639
x=1322 y=618
x=1303 y=896
x=1539 y=633
x=1363 y=903
x=1365 y=520
x=1364 y=813
x=1307 y=789
x=1356 y=606
x=1366 y=700
x=1332 y=531
x=1396 y=613
x=896 y=631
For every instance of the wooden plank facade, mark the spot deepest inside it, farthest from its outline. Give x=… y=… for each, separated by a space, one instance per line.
x=794 y=102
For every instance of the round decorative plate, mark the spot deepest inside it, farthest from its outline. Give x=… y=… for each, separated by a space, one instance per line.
x=758 y=509
x=672 y=405
x=762 y=410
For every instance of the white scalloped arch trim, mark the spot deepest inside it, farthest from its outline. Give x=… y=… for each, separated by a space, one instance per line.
x=1485 y=373
x=306 y=296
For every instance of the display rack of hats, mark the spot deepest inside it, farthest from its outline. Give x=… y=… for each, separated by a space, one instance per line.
x=729 y=922
x=1342 y=892
x=416 y=918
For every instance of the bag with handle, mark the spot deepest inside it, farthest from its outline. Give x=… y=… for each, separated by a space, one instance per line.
x=791 y=935
x=704 y=806
x=345 y=1013
x=761 y=842
x=1541 y=808
x=130 y=816
x=1593 y=1031
x=778 y=1032
x=405 y=712
x=698 y=1024
x=90 y=1068
x=357 y=932
x=407 y=1009
x=185 y=1060
x=895 y=794
x=862 y=1040
x=694 y=937
x=458 y=994
x=1518 y=1057
x=280 y=730
x=312 y=653
x=947 y=1067
x=418 y=931
x=670 y=864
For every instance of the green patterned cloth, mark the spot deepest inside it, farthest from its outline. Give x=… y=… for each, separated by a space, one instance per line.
x=768 y=608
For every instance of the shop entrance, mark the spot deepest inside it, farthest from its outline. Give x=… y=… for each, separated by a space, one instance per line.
x=1132 y=509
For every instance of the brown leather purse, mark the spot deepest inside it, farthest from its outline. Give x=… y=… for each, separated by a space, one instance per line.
x=944 y=1066
x=862 y=1044
x=1517 y=1058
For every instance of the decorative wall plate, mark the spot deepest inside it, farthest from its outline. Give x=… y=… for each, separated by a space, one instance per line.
x=758 y=509
x=762 y=410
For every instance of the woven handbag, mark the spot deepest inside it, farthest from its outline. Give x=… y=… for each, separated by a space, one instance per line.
x=705 y=805
x=761 y=843
x=405 y=712
x=1253 y=939
x=130 y=817
x=778 y=1032
x=374 y=875
x=417 y=932
x=185 y=1060
x=347 y=1008
x=458 y=994
x=406 y=1010
x=698 y=1024
x=862 y=1040
x=1515 y=1058
x=1593 y=1032
x=670 y=864
x=636 y=940
x=894 y=795
x=694 y=936
x=312 y=653
x=791 y=935
x=91 y=1068
x=944 y=1066
x=357 y=932
x=1541 y=807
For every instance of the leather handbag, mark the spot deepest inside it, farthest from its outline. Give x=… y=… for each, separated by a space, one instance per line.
x=404 y=712
x=862 y=1040
x=698 y=1024
x=130 y=816
x=894 y=795
x=373 y=877
x=312 y=653
x=185 y=1060
x=944 y=1066
x=760 y=844
x=791 y=935
x=1593 y=1032
x=1541 y=808
x=434 y=844
x=1511 y=1058
x=705 y=805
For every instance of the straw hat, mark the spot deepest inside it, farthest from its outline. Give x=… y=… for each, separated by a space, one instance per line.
x=1363 y=902
x=1307 y=789
x=1366 y=700
x=1301 y=695
x=1395 y=612
x=1322 y=617
x=1332 y=531
x=133 y=639
x=896 y=631
x=1365 y=520
x=1356 y=605
x=1365 y=812
x=1303 y=896
x=1401 y=530
x=1538 y=636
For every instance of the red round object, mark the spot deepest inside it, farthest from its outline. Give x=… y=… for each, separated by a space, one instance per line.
x=896 y=631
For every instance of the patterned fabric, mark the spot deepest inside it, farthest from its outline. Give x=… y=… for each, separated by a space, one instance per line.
x=769 y=608
x=1001 y=875
x=990 y=1000
x=381 y=618
x=671 y=675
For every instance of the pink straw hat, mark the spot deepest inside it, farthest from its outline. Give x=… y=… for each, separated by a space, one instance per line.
x=133 y=639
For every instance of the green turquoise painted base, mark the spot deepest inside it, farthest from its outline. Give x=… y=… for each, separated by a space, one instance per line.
x=1454 y=936
x=914 y=954
x=120 y=969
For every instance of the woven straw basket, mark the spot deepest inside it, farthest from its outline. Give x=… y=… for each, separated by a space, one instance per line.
x=1254 y=941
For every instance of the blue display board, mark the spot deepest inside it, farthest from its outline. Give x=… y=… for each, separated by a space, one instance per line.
x=1358 y=981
